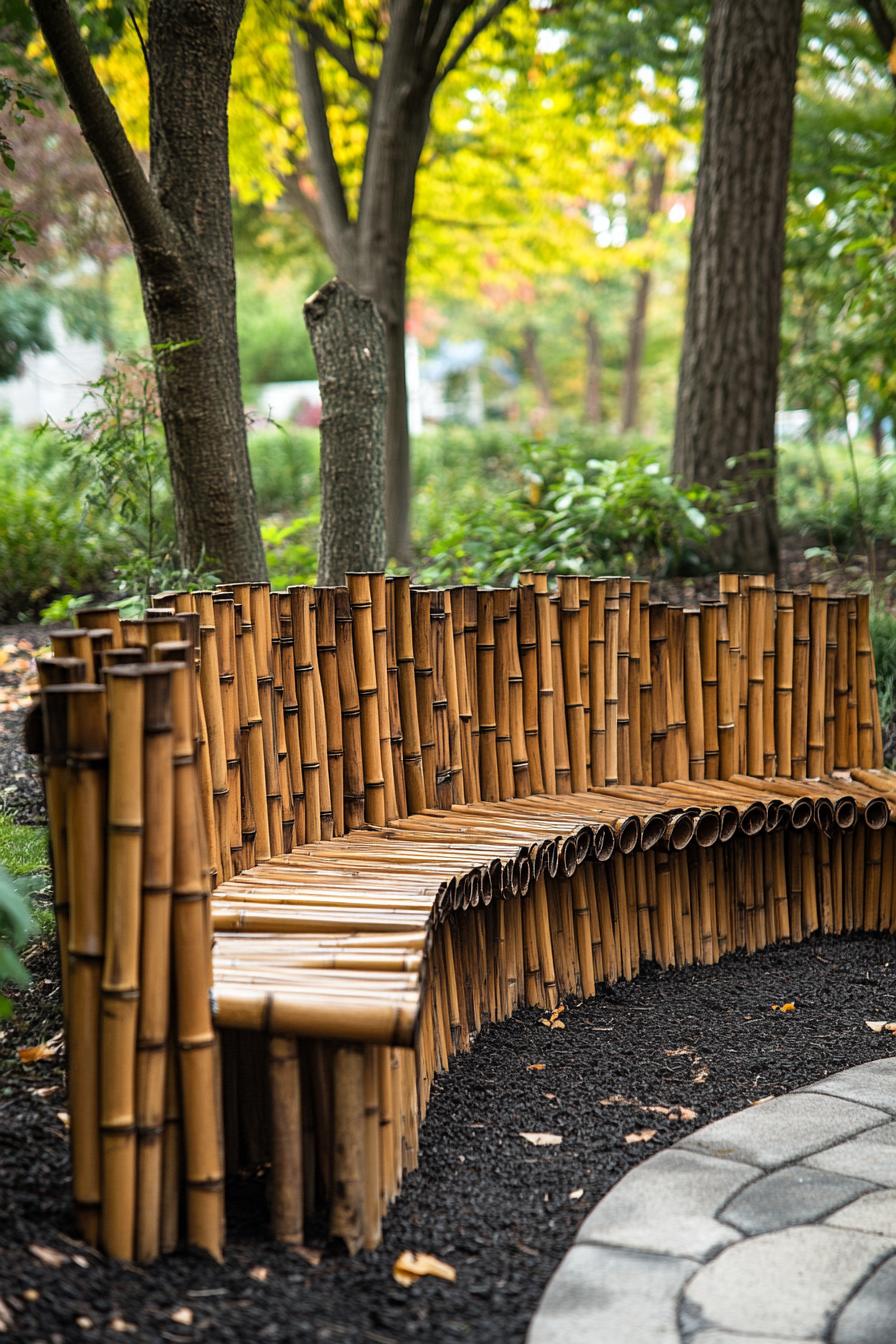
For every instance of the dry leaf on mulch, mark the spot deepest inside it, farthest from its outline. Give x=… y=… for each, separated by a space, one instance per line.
x=409 y=1267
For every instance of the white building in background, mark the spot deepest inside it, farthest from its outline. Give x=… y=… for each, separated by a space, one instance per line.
x=53 y=384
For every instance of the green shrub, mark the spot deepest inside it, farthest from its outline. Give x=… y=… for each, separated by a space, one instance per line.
x=883 y=640
x=285 y=467
x=599 y=516
x=46 y=545
x=829 y=499
x=291 y=551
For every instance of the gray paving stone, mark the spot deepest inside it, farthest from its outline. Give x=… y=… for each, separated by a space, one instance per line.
x=870 y=1317
x=783 y=1130
x=667 y=1204
x=604 y=1295
x=870 y=1156
x=874 y=1212
x=788 y=1197
x=873 y=1084
x=790 y=1283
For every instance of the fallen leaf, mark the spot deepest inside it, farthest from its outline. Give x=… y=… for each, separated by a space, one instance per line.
x=545 y=1022
x=551 y=1096
x=45 y=1091
x=31 y=1294
x=6 y=1321
x=47 y=1256
x=617 y=1099
x=534 y=1068
x=555 y=1012
x=84 y=1322
x=783 y=1007
x=64 y=1118
x=576 y=1194
x=542 y=1140
x=183 y=1316
x=409 y=1267
x=882 y=1026
x=259 y=1273
x=700 y=1075
x=81 y=1261
x=760 y=1100
x=30 y=1054
x=682 y=1113
x=641 y=1136
x=680 y=1050
x=558 y=1024
x=121 y=1326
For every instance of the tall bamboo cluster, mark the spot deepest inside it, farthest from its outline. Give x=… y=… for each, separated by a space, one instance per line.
x=132 y=884
x=416 y=810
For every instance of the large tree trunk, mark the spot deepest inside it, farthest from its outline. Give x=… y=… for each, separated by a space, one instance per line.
x=594 y=371
x=728 y=379
x=179 y=224
x=637 y=327
x=193 y=301
x=349 y=346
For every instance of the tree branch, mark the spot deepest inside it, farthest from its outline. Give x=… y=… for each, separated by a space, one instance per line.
x=344 y=56
x=884 y=28
x=333 y=210
x=141 y=211
x=488 y=16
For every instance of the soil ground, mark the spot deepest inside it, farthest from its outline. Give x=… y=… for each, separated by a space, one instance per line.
x=498 y=1209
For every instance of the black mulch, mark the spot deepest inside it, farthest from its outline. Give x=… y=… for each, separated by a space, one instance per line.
x=484 y=1200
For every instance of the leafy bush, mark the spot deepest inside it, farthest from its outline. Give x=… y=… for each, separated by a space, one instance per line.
x=830 y=498
x=883 y=640
x=291 y=551
x=47 y=547
x=566 y=514
x=285 y=465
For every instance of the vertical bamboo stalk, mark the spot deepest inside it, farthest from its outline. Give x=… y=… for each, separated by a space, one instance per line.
x=768 y=682
x=347 y=1206
x=522 y=781
x=659 y=693
x=421 y=617
x=799 y=753
x=191 y=954
x=755 y=715
x=291 y=718
x=121 y=960
x=87 y=736
x=709 y=667
x=635 y=654
x=611 y=677
x=325 y=614
x=310 y=746
x=441 y=731
x=394 y=700
x=693 y=695
x=841 y=688
x=545 y=690
x=352 y=756
x=381 y=665
x=412 y=757
x=153 y=1053
x=624 y=758
x=489 y=779
x=597 y=682
x=528 y=646
x=830 y=686
x=572 y=682
x=818 y=615
x=784 y=683
x=864 y=679
x=287 y=1201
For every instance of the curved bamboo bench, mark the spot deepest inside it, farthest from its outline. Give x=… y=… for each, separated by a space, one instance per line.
x=306 y=843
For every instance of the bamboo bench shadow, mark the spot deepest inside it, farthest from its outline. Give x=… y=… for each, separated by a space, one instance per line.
x=304 y=844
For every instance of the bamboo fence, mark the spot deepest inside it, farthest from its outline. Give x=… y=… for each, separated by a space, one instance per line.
x=306 y=843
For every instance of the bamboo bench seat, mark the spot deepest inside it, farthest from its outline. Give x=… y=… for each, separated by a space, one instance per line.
x=305 y=844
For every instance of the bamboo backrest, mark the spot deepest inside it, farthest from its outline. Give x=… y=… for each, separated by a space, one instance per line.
x=324 y=709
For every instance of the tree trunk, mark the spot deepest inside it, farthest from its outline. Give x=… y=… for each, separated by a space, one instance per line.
x=535 y=368
x=348 y=341
x=637 y=327
x=594 y=371
x=180 y=227
x=190 y=299
x=728 y=379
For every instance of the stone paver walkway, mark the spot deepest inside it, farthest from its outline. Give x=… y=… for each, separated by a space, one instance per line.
x=773 y=1225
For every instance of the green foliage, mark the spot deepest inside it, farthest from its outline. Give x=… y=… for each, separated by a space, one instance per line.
x=117 y=454
x=17 y=100
x=578 y=516
x=285 y=465
x=16 y=926
x=883 y=641
x=828 y=499
x=23 y=849
x=274 y=345
x=46 y=546
x=23 y=325
x=291 y=550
